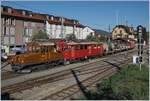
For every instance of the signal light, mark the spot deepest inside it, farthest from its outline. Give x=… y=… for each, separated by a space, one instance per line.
x=140 y=59
x=137 y=60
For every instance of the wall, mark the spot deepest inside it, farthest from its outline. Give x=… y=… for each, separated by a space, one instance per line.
x=54 y=31
x=86 y=31
x=119 y=31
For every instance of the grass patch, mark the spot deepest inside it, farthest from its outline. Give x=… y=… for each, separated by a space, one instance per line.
x=128 y=84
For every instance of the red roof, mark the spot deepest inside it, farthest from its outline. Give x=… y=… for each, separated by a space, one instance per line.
x=40 y=17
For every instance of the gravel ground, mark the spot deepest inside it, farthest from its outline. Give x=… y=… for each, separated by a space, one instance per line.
x=49 y=88
x=23 y=78
x=18 y=79
x=46 y=89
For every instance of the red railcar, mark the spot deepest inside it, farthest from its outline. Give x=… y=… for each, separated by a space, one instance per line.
x=74 y=51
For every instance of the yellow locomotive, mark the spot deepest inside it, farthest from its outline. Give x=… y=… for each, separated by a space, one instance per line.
x=38 y=52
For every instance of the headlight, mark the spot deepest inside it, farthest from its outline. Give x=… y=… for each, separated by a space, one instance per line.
x=22 y=61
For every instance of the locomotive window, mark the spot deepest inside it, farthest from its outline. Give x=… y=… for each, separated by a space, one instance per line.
x=33 y=48
x=50 y=48
x=30 y=49
x=46 y=49
x=37 y=49
x=81 y=46
x=42 y=49
x=77 y=47
x=85 y=46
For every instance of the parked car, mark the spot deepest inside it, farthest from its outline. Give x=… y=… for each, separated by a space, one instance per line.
x=15 y=51
x=3 y=56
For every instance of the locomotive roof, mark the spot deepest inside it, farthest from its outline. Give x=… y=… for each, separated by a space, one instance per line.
x=46 y=43
x=82 y=43
x=42 y=43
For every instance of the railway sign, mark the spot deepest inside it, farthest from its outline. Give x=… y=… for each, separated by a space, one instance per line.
x=135 y=59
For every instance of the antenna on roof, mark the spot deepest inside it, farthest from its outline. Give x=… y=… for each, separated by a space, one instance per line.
x=126 y=21
x=117 y=17
x=62 y=22
x=109 y=28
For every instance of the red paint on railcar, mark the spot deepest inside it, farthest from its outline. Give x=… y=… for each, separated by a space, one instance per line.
x=72 y=50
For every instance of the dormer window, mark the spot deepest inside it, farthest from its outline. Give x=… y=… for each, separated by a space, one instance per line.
x=30 y=15
x=120 y=31
x=60 y=19
x=27 y=13
x=52 y=18
x=9 y=10
x=47 y=17
x=5 y=9
x=23 y=12
x=74 y=22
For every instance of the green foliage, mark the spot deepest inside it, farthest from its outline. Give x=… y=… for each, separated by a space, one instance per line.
x=131 y=83
x=102 y=38
x=90 y=37
x=146 y=37
x=71 y=37
x=40 y=35
x=128 y=84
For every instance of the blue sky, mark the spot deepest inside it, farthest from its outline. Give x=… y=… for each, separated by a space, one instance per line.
x=96 y=14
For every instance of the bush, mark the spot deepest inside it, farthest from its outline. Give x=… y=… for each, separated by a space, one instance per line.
x=71 y=37
x=40 y=35
x=128 y=84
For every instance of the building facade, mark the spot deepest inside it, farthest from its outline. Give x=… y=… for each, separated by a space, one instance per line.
x=59 y=27
x=17 y=27
x=122 y=31
x=87 y=31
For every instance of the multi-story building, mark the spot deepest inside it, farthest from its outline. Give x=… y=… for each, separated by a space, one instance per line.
x=59 y=27
x=122 y=31
x=17 y=26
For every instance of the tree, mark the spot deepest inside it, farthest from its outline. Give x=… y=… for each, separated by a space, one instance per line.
x=90 y=37
x=103 y=38
x=40 y=35
x=71 y=37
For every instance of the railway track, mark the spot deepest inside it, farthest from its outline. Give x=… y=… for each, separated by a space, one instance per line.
x=66 y=93
x=11 y=74
x=51 y=78
x=62 y=75
x=43 y=79
x=28 y=85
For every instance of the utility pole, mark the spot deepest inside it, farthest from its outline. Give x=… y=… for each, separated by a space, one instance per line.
x=109 y=32
x=117 y=18
x=126 y=21
x=62 y=22
x=74 y=27
x=109 y=28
